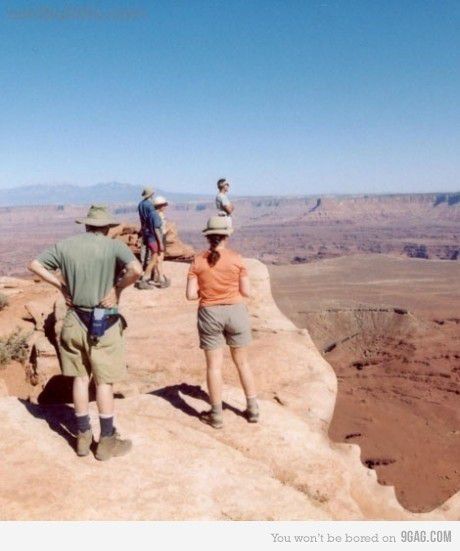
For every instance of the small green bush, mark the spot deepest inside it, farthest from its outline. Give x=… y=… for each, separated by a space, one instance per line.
x=14 y=347
x=3 y=301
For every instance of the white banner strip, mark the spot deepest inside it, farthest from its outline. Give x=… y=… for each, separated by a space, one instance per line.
x=231 y=536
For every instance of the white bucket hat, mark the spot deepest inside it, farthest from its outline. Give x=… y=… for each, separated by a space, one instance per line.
x=160 y=201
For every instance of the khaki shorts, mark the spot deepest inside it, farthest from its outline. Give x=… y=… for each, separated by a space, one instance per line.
x=224 y=323
x=80 y=357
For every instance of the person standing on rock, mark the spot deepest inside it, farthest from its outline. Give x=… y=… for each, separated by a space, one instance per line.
x=223 y=204
x=219 y=279
x=95 y=269
x=152 y=238
x=160 y=204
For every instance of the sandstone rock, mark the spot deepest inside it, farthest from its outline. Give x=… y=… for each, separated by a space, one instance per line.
x=44 y=348
x=125 y=389
x=3 y=389
x=175 y=248
x=284 y=468
x=41 y=371
x=14 y=283
x=60 y=311
x=38 y=314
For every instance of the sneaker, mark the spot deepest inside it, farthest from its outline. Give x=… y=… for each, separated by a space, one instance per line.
x=166 y=282
x=84 y=441
x=210 y=418
x=143 y=285
x=112 y=446
x=252 y=415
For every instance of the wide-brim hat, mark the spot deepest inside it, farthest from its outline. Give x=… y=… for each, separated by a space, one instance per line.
x=98 y=216
x=147 y=192
x=218 y=225
x=160 y=201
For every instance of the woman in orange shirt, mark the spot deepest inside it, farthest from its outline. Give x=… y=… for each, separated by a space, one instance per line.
x=219 y=279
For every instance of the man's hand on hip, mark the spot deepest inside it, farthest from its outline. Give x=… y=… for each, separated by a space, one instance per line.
x=111 y=298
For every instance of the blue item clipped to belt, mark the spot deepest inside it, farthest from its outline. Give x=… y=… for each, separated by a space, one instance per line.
x=98 y=320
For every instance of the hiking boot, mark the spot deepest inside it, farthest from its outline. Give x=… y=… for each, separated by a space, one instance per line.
x=252 y=415
x=112 y=446
x=84 y=441
x=212 y=419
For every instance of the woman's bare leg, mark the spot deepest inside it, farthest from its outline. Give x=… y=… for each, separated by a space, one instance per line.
x=240 y=359
x=159 y=266
x=150 y=267
x=214 y=361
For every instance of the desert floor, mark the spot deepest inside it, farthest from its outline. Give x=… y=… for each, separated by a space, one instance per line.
x=390 y=327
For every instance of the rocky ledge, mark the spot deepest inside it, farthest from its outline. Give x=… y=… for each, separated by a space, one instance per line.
x=284 y=468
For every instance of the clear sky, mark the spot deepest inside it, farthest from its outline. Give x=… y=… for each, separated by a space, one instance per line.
x=278 y=96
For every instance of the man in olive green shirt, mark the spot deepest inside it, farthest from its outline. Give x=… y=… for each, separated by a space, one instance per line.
x=94 y=270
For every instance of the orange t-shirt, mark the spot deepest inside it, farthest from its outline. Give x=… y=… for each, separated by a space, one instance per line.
x=219 y=284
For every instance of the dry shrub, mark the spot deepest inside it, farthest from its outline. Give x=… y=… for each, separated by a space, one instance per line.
x=14 y=347
x=3 y=301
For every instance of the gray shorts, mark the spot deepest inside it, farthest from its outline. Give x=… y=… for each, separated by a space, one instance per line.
x=224 y=323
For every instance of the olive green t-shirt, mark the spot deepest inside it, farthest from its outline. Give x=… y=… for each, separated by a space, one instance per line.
x=90 y=264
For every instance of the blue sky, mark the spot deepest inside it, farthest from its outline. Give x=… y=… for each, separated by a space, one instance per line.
x=291 y=96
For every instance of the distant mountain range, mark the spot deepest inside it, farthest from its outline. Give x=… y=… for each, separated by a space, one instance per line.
x=116 y=193
x=104 y=193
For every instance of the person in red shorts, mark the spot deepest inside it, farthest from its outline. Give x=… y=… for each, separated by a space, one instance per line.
x=151 y=224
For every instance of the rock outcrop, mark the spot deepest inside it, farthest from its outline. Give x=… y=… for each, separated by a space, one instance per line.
x=175 y=248
x=284 y=468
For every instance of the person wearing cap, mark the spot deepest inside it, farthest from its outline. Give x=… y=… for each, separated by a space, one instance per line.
x=152 y=238
x=160 y=203
x=219 y=279
x=223 y=204
x=94 y=270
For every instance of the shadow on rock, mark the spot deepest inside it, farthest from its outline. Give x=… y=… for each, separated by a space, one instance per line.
x=172 y=394
x=60 y=418
x=58 y=390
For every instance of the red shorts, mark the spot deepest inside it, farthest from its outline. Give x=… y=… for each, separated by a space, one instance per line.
x=153 y=246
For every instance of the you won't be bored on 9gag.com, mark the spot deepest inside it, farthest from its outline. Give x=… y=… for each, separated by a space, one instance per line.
x=353 y=538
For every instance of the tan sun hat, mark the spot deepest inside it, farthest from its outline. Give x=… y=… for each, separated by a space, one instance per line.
x=218 y=225
x=98 y=216
x=160 y=201
x=147 y=192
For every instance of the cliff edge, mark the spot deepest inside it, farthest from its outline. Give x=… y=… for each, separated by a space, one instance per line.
x=284 y=468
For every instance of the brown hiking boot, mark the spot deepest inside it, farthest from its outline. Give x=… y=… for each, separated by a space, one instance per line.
x=212 y=419
x=84 y=441
x=112 y=446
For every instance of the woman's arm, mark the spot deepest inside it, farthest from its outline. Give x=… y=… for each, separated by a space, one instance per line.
x=245 y=286
x=191 y=291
